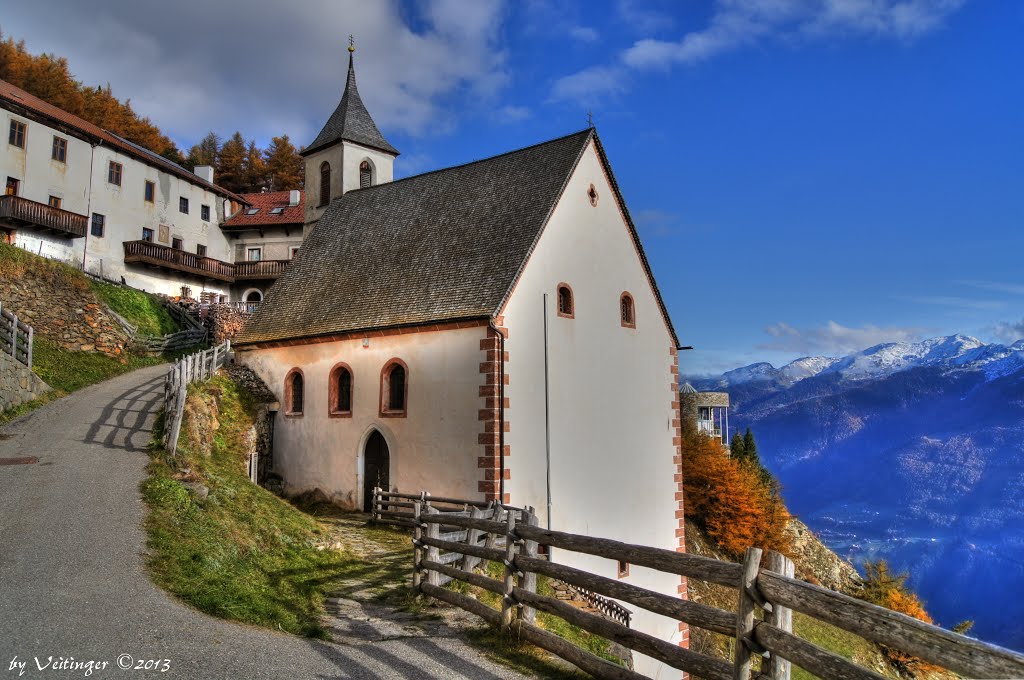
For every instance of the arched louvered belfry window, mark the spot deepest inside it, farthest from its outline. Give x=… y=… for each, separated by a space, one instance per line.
x=627 y=312
x=340 y=396
x=565 y=303
x=325 y=183
x=294 y=393
x=365 y=175
x=394 y=389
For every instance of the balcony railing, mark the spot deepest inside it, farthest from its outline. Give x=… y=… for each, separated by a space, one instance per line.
x=156 y=255
x=262 y=269
x=21 y=212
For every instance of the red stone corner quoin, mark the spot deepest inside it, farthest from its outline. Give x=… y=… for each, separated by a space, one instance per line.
x=490 y=393
x=677 y=442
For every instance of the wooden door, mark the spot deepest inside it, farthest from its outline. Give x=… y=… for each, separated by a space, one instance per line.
x=376 y=468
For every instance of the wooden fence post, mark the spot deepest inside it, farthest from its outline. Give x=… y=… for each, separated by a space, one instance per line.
x=14 y=337
x=417 y=546
x=491 y=540
x=375 y=505
x=469 y=562
x=433 y=554
x=745 y=615
x=508 y=603
x=780 y=617
x=529 y=580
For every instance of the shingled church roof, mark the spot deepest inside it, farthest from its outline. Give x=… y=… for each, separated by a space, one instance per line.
x=350 y=121
x=439 y=247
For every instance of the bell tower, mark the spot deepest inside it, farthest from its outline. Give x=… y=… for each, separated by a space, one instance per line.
x=349 y=153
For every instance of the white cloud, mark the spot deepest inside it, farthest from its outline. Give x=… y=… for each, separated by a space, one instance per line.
x=834 y=339
x=583 y=34
x=512 y=114
x=953 y=301
x=1008 y=332
x=193 y=65
x=737 y=23
x=595 y=81
x=996 y=286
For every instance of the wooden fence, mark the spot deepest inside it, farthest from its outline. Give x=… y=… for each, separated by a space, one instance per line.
x=766 y=596
x=194 y=368
x=15 y=337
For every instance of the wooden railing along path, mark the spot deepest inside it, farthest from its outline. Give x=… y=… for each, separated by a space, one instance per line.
x=194 y=368
x=15 y=337
x=766 y=596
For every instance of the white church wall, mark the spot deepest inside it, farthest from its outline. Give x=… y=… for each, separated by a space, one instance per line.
x=433 y=448
x=382 y=165
x=611 y=415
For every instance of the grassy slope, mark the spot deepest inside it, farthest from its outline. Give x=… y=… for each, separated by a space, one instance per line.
x=140 y=309
x=241 y=553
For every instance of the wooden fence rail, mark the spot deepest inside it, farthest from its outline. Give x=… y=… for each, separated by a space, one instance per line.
x=15 y=337
x=194 y=368
x=450 y=545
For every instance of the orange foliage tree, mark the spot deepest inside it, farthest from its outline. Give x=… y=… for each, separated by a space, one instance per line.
x=730 y=499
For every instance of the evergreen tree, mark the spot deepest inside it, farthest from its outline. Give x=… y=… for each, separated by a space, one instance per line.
x=750 y=447
x=285 y=169
x=205 y=152
x=736 y=449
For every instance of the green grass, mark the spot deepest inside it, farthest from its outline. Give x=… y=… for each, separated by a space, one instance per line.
x=144 y=310
x=67 y=371
x=17 y=263
x=847 y=645
x=241 y=553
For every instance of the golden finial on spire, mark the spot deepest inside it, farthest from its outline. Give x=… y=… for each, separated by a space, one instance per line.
x=351 y=44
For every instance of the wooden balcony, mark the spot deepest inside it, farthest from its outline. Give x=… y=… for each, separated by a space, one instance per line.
x=19 y=212
x=261 y=270
x=163 y=257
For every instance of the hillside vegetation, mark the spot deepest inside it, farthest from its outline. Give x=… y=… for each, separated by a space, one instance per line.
x=143 y=310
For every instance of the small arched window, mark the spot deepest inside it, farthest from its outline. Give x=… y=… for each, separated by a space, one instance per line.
x=627 y=311
x=340 y=391
x=325 y=183
x=294 y=393
x=365 y=175
x=565 y=304
x=394 y=389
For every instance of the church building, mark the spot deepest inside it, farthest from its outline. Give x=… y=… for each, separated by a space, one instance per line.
x=486 y=331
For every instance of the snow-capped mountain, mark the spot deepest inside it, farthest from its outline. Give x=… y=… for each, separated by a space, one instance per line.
x=909 y=451
x=952 y=352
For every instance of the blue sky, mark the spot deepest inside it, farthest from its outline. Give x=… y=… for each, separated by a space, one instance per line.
x=808 y=176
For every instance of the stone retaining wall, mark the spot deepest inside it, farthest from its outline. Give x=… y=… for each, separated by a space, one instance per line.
x=64 y=313
x=18 y=384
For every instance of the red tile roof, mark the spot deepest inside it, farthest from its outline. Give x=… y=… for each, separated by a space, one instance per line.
x=292 y=214
x=15 y=96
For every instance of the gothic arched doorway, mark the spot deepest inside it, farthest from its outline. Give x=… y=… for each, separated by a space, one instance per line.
x=376 y=467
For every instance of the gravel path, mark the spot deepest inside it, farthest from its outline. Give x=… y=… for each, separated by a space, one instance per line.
x=73 y=583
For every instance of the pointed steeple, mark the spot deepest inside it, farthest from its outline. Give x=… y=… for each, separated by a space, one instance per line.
x=351 y=121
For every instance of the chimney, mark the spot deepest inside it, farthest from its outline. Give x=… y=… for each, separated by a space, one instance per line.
x=293 y=197
x=204 y=172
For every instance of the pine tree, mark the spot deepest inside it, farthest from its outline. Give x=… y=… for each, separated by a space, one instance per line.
x=736 y=449
x=285 y=168
x=750 y=447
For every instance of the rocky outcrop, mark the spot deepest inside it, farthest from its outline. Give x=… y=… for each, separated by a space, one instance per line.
x=18 y=384
x=65 y=312
x=819 y=565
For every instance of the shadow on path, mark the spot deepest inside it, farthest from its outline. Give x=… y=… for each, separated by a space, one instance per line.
x=126 y=422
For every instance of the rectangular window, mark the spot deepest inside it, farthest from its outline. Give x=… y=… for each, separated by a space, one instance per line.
x=201 y=250
x=98 y=222
x=254 y=254
x=17 y=136
x=114 y=173
x=150 y=194
x=293 y=251
x=54 y=202
x=12 y=187
x=177 y=243
x=623 y=569
x=60 y=149
x=147 y=234
x=204 y=213
x=183 y=205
